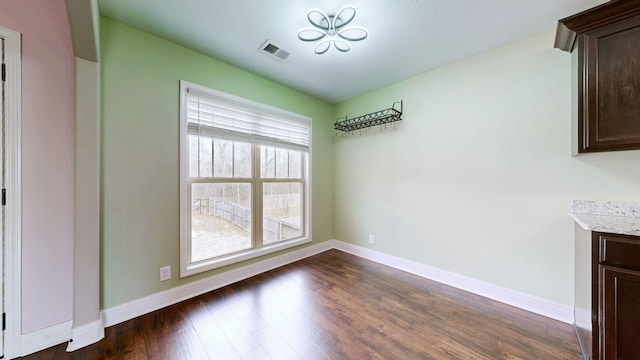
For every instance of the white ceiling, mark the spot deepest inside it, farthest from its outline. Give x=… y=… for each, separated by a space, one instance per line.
x=406 y=37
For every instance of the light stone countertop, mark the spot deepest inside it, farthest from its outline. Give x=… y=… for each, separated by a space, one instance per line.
x=605 y=216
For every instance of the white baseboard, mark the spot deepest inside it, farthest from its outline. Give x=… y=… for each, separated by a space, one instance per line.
x=133 y=309
x=157 y=301
x=45 y=338
x=541 y=306
x=93 y=332
x=86 y=335
x=583 y=318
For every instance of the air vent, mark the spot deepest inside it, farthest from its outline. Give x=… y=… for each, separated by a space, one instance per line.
x=271 y=49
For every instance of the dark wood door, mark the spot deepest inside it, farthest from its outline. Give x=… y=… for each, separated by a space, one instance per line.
x=620 y=313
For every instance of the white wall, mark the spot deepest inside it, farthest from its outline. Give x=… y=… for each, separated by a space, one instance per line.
x=47 y=159
x=479 y=177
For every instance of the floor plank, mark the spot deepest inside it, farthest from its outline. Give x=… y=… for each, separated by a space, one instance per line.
x=333 y=306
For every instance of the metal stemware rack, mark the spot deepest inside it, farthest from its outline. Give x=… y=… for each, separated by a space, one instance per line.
x=376 y=118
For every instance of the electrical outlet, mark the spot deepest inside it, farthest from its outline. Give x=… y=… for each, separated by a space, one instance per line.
x=165 y=273
x=372 y=239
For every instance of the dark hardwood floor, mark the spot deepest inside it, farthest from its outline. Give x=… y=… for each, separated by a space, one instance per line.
x=333 y=306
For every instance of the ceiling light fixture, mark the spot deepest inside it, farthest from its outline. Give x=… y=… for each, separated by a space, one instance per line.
x=332 y=29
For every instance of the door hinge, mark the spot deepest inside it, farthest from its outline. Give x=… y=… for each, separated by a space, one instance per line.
x=4 y=72
x=4 y=196
x=4 y=321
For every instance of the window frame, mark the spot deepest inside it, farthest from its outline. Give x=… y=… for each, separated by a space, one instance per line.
x=187 y=267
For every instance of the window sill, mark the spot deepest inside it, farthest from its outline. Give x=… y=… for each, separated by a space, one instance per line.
x=192 y=269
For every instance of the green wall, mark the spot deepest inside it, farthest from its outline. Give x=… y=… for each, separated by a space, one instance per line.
x=476 y=180
x=140 y=184
x=479 y=177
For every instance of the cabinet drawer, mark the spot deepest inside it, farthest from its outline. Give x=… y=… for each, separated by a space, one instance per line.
x=620 y=251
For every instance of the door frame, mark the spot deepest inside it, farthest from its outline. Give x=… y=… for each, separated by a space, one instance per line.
x=13 y=210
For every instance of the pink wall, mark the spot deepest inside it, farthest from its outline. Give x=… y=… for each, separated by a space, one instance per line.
x=47 y=159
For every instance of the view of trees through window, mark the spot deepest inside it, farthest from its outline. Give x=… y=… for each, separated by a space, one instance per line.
x=224 y=190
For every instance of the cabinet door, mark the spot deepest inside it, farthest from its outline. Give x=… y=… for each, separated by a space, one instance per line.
x=609 y=87
x=620 y=318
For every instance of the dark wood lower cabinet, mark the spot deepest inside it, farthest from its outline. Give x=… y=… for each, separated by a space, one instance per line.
x=615 y=291
x=620 y=313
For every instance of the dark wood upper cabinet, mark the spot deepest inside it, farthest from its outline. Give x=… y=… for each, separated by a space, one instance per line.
x=607 y=40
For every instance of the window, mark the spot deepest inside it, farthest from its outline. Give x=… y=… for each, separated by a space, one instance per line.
x=244 y=179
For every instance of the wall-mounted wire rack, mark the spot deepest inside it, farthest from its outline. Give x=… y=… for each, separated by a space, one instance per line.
x=381 y=117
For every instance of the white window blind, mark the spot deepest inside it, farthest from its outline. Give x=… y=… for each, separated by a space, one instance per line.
x=211 y=115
